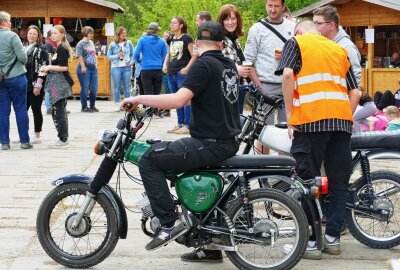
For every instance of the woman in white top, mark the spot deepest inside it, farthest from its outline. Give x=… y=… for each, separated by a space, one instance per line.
x=120 y=54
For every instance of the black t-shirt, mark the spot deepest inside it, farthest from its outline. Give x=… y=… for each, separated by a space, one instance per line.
x=60 y=58
x=214 y=81
x=179 y=55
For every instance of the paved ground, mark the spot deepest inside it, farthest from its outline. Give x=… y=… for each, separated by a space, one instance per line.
x=25 y=177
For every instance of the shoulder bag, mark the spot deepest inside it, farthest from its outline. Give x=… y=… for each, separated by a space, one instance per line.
x=273 y=30
x=4 y=76
x=57 y=86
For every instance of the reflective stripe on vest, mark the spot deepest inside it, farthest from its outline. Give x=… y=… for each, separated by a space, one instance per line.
x=320 y=96
x=320 y=86
x=320 y=77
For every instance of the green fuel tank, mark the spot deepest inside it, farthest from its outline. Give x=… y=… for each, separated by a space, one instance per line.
x=135 y=151
x=199 y=191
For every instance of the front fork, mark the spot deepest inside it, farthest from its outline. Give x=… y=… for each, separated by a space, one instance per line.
x=102 y=177
x=85 y=209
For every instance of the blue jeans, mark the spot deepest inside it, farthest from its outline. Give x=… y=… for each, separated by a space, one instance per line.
x=175 y=82
x=88 y=81
x=47 y=101
x=121 y=75
x=165 y=83
x=14 y=91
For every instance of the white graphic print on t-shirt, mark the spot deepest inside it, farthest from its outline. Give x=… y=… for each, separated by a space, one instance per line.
x=176 y=50
x=229 y=85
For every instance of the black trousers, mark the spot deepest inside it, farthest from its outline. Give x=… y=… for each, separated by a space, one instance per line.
x=334 y=149
x=36 y=103
x=181 y=155
x=139 y=82
x=382 y=100
x=151 y=81
x=60 y=119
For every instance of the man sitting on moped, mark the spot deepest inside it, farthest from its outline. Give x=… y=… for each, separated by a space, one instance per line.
x=212 y=88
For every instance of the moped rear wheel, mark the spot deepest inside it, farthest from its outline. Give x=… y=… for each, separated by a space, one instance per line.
x=379 y=229
x=87 y=245
x=279 y=242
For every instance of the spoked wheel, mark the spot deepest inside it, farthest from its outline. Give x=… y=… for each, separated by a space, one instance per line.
x=278 y=243
x=90 y=242
x=379 y=228
x=135 y=88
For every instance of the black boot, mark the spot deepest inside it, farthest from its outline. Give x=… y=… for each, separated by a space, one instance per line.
x=201 y=255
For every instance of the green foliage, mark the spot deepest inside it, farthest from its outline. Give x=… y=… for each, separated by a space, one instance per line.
x=139 y=13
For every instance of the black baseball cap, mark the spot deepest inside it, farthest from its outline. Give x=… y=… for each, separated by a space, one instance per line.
x=211 y=31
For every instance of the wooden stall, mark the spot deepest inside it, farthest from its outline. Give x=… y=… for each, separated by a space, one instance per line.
x=384 y=17
x=74 y=15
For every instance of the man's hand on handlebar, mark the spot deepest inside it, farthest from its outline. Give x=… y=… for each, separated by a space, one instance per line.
x=129 y=104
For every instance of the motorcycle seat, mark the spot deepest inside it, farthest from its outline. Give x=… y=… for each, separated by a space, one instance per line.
x=368 y=140
x=257 y=161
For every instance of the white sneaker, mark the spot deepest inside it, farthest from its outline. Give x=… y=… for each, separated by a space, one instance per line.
x=59 y=145
x=182 y=130
x=117 y=107
x=311 y=253
x=36 y=140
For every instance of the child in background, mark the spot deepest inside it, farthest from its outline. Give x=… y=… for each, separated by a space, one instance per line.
x=392 y=113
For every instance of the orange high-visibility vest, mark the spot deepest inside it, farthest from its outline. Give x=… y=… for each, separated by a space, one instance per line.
x=320 y=86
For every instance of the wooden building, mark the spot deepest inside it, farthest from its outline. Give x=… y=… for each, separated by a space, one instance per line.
x=74 y=15
x=384 y=17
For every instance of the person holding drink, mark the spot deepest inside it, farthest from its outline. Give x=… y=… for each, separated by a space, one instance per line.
x=230 y=19
x=264 y=48
x=120 y=53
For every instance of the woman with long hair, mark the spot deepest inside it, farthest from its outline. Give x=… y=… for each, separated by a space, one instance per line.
x=37 y=57
x=120 y=53
x=59 y=83
x=231 y=20
x=177 y=63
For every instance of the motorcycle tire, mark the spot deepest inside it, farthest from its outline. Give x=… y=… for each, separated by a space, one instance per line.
x=295 y=251
x=356 y=219
x=56 y=210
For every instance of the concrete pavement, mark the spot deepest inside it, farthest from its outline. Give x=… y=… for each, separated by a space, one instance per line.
x=25 y=177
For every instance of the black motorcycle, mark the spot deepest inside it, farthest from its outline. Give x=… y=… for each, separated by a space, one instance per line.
x=372 y=215
x=81 y=220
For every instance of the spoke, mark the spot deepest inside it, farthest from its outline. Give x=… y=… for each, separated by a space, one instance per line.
x=72 y=245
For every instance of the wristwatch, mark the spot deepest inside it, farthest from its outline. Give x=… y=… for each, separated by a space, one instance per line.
x=37 y=85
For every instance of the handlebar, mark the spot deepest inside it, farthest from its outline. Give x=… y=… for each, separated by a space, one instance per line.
x=253 y=89
x=140 y=112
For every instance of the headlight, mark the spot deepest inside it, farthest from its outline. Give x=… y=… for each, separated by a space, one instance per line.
x=106 y=136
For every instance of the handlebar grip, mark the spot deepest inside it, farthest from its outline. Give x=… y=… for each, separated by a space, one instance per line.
x=128 y=105
x=269 y=100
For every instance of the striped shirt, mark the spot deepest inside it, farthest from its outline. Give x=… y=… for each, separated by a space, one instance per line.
x=291 y=58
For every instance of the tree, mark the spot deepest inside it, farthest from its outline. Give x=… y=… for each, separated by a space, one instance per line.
x=138 y=14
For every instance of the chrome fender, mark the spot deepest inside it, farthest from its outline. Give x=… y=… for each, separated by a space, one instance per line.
x=107 y=191
x=377 y=154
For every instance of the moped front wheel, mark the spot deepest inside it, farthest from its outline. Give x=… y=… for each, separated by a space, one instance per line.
x=375 y=222
x=90 y=242
x=278 y=242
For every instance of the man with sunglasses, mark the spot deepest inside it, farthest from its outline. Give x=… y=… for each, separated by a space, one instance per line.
x=326 y=20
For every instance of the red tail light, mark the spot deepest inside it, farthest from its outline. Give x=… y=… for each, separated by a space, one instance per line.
x=322 y=183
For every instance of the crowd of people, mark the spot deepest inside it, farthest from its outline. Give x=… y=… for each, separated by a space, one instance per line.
x=201 y=77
